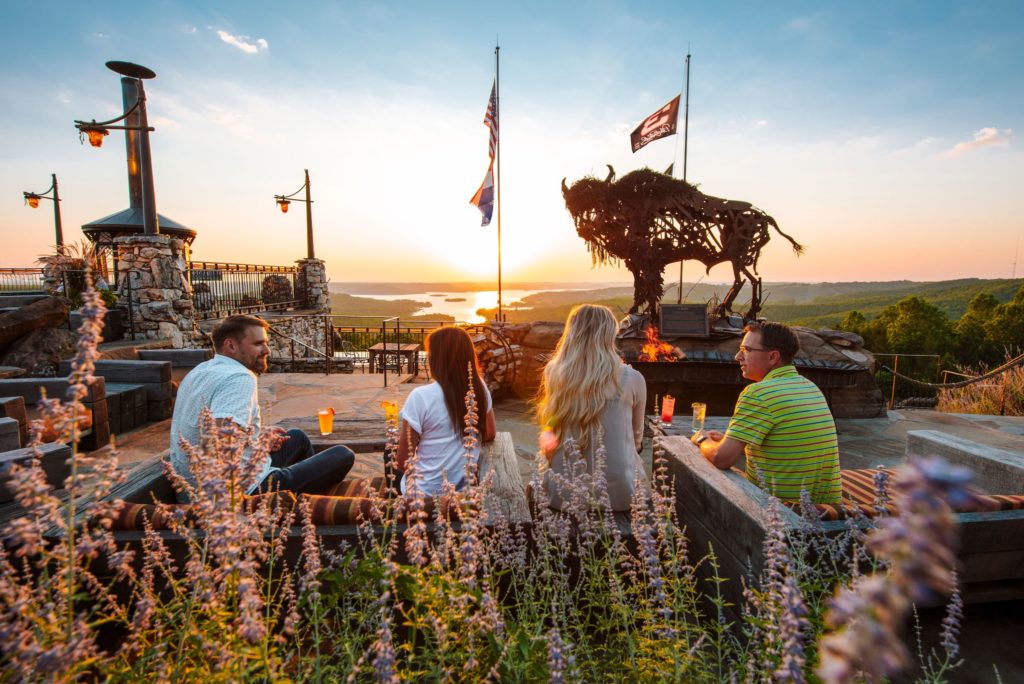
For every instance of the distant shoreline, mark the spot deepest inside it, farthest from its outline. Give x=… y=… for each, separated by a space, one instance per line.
x=388 y=288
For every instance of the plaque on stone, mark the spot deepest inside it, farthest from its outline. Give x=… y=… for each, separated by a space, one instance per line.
x=684 y=320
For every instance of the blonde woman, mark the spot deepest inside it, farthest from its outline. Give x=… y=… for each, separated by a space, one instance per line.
x=589 y=394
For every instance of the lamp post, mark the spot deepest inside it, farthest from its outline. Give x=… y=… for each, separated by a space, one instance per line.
x=137 y=131
x=284 y=200
x=32 y=200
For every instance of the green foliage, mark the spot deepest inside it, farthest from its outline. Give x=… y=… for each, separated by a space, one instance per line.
x=914 y=326
x=1005 y=327
x=952 y=297
x=973 y=344
x=352 y=310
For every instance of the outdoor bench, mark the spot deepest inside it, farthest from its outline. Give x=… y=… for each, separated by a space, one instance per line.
x=726 y=512
x=54 y=459
x=95 y=401
x=14 y=408
x=336 y=514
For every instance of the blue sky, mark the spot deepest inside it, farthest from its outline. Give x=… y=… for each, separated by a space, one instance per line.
x=884 y=136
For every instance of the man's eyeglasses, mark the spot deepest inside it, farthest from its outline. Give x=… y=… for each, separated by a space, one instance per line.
x=746 y=350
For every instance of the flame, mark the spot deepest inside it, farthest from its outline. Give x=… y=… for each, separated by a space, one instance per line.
x=657 y=350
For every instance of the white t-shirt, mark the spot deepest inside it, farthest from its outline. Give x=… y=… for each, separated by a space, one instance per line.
x=440 y=447
x=228 y=389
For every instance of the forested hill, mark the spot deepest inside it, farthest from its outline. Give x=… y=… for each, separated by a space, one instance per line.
x=834 y=300
x=818 y=305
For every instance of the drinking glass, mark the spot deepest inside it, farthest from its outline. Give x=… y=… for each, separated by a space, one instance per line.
x=668 y=407
x=326 y=416
x=390 y=411
x=697 y=423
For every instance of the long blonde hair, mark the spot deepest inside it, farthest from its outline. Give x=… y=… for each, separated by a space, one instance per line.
x=582 y=375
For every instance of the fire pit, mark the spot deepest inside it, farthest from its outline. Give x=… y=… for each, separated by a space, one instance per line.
x=706 y=370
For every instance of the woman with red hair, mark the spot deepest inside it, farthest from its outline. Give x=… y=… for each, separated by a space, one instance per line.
x=434 y=416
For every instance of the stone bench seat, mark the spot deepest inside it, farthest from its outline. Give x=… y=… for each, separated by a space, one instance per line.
x=148 y=495
x=153 y=376
x=726 y=512
x=54 y=459
x=126 y=407
x=31 y=391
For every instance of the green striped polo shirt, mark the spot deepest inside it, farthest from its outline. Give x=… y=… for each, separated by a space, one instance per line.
x=790 y=437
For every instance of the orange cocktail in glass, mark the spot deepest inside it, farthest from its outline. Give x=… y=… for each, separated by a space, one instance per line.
x=326 y=417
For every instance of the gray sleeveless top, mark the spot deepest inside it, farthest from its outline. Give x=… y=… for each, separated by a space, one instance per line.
x=622 y=426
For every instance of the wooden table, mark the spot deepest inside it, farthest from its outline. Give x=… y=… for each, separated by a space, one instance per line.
x=680 y=425
x=410 y=351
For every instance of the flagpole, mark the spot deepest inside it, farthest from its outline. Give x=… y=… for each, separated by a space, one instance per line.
x=686 y=140
x=497 y=153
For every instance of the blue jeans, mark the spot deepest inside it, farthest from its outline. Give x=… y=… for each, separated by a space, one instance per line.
x=303 y=472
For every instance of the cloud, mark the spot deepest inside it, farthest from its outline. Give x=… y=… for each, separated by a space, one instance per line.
x=189 y=28
x=985 y=137
x=163 y=122
x=236 y=121
x=242 y=42
x=799 y=24
x=99 y=35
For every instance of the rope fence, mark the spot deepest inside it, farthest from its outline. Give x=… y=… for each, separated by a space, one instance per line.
x=1012 y=363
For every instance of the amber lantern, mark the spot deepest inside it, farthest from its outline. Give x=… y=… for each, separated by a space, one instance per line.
x=96 y=136
x=32 y=199
x=284 y=205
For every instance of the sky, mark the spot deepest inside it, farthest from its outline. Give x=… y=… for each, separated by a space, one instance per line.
x=884 y=136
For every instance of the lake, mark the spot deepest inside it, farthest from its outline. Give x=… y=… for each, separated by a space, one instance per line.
x=462 y=311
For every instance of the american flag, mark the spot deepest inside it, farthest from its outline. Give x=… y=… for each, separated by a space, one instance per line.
x=483 y=199
x=491 y=118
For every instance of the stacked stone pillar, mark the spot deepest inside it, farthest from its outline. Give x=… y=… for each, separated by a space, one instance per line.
x=311 y=285
x=153 y=268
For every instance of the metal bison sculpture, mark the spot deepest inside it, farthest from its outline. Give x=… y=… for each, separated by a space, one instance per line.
x=649 y=220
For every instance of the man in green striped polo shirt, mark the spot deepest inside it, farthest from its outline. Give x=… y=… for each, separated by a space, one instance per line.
x=781 y=421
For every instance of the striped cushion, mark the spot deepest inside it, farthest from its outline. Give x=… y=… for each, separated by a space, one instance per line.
x=859 y=495
x=132 y=515
x=357 y=487
x=340 y=510
x=351 y=510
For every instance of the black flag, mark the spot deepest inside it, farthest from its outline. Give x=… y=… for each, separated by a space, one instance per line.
x=658 y=125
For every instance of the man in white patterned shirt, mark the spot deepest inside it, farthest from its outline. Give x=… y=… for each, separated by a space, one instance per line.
x=226 y=385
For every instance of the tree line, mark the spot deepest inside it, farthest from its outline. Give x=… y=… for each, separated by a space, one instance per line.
x=986 y=334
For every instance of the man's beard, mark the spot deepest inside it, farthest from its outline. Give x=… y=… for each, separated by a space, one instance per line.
x=258 y=365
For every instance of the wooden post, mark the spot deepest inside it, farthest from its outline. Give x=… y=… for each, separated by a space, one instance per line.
x=892 y=392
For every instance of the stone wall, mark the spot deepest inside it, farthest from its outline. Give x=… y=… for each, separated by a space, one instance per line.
x=303 y=326
x=311 y=285
x=859 y=397
x=161 y=297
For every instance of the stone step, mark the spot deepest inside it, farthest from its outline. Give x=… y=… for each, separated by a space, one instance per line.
x=10 y=434
x=54 y=461
x=19 y=300
x=30 y=389
x=14 y=407
x=179 y=358
x=127 y=407
x=130 y=371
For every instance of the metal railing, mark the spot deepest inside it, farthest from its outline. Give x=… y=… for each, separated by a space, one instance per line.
x=901 y=392
x=221 y=289
x=22 y=280
x=326 y=356
x=363 y=332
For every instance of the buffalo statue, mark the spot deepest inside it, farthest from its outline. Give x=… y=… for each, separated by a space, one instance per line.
x=649 y=220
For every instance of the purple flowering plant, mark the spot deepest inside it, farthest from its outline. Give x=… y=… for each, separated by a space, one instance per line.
x=451 y=588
